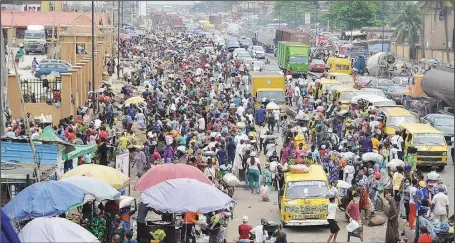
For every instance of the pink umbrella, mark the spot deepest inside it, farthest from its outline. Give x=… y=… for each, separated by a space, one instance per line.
x=164 y=172
x=124 y=36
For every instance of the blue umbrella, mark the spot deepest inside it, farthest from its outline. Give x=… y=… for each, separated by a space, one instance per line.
x=9 y=235
x=43 y=199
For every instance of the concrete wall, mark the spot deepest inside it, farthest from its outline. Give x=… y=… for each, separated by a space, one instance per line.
x=401 y=51
x=75 y=87
x=434 y=32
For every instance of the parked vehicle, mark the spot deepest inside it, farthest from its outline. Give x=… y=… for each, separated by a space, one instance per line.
x=35 y=39
x=396 y=93
x=47 y=68
x=256 y=65
x=402 y=80
x=371 y=91
x=237 y=51
x=56 y=61
x=442 y=122
x=362 y=81
x=380 y=83
x=317 y=65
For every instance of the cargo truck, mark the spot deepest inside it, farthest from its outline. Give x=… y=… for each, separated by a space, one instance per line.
x=292 y=36
x=35 y=39
x=293 y=55
x=266 y=87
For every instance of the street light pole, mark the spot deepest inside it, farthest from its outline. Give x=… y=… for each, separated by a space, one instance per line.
x=93 y=56
x=383 y=24
x=118 y=40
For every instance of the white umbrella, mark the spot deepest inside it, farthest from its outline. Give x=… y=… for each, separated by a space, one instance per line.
x=98 y=188
x=55 y=230
x=272 y=106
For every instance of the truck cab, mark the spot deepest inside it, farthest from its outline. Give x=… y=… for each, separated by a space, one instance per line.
x=293 y=56
x=35 y=39
x=430 y=143
x=340 y=65
x=267 y=87
x=302 y=201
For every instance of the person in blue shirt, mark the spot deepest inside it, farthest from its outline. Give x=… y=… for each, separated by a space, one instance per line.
x=131 y=111
x=260 y=115
x=303 y=91
x=237 y=101
x=146 y=92
x=221 y=154
x=129 y=122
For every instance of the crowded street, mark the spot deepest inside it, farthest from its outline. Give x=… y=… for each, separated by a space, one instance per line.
x=200 y=127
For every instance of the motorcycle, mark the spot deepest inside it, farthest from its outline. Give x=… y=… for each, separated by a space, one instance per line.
x=269 y=145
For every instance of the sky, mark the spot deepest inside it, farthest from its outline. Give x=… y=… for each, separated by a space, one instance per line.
x=171 y=2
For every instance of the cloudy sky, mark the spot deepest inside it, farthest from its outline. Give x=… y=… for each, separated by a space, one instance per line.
x=171 y=2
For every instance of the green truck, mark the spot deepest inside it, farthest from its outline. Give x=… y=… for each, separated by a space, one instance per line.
x=293 y=55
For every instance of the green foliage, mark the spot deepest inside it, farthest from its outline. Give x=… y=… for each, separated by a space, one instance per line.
x=158 y=234
x=293 y=12
x=409 y=26
x=355 y=14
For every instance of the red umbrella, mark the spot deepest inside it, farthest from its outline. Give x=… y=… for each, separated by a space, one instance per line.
x=164 y=172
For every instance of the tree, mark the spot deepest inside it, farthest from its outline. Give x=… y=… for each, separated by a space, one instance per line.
x=293 y=12
x=409 y=27
x=352 y=14
x=441 y=9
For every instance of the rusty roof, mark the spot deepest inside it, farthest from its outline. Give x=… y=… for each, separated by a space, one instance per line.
x=21 y=19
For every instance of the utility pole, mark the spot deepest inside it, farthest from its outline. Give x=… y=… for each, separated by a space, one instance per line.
x=383 y=25
x=118 y=40
x=3 y=80
x=93 y=57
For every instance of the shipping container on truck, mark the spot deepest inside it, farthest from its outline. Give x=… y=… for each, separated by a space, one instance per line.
x=177 y=22
x=293 y=55
x=215 y=19
x=292 y=36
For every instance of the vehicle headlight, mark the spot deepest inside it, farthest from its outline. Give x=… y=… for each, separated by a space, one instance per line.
x=444 y=153
x=288 y=209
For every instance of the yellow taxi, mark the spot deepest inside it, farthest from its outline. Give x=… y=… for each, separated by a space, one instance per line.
x=430 y=144
x=302 y=201
x=344 y=96
x=340 y=65
x=393 y=117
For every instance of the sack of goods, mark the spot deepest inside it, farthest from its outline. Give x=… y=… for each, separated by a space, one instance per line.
x=371 y=156
x=348 y=156
x=265 y=192
x=394 y=163
x=169 y=139
x=241 y=125
x=299 y=168
x=231 y=180
x=125 y=201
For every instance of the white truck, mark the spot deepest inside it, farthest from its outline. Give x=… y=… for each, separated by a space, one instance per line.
x=35 y=39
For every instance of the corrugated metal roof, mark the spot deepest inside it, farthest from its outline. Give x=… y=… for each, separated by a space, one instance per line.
x=47 y=154
x=22 y=19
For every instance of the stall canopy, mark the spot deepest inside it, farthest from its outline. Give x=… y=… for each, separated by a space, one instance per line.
x=80 y=150
x=9 y=235
x=49 y=135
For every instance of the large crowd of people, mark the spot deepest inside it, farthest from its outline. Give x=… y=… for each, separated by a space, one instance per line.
x=194 y=106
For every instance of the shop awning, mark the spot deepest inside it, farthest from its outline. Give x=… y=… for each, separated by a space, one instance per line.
x=81 y=150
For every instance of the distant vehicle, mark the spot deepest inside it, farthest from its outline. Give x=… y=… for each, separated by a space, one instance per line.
x=380 y=83
x=396 y=93
x=232 y=44
x=257 y=52
x=245 y=42
x=371 y=91
x=57 y=61
x=402 y=80
x=35 y=39
x=293 y=55
x=47 y=68
x=238 y=50
x=243 y=55
x=362 y=81
x=442 y=122
x=317 y=65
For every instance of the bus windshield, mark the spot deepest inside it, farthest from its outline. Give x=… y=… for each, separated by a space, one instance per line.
x=305 y=189
x=276 y=96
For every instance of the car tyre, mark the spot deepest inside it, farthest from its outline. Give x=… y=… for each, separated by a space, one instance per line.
x=440 y=168
x=27 y=52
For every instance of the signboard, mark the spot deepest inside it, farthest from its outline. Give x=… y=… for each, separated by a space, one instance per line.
x=307 y=18
x=122 y=163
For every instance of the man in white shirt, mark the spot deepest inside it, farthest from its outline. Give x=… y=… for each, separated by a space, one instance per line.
x=201 y=124
x=398 y=140
x=240 y=111
x=259 y=232
x=276 y=116
x=440 y=204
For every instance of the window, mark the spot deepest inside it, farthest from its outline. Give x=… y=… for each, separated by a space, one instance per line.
x=20 y=32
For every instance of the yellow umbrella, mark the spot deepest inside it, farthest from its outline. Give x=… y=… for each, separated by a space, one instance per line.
x=107 y=174
x=134 y=100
